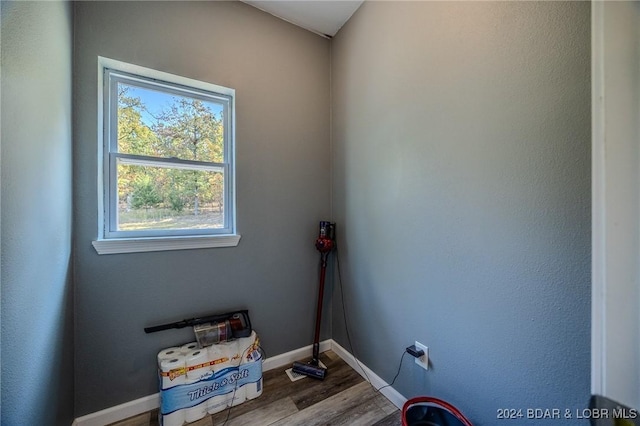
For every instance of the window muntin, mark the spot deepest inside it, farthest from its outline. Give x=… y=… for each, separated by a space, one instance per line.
x=168 y=159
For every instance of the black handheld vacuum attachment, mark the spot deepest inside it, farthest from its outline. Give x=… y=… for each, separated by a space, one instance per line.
x=213 y=328
x=324 y=244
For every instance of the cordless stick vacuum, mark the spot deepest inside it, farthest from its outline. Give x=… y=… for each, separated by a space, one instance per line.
x=324 y=244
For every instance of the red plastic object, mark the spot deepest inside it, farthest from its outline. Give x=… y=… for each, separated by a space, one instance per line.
x=434 y=402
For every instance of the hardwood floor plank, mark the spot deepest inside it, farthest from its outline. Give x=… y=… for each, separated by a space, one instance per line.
x=265 y=415
x=206 y=421
x=343 y=398
x=143 y=419
x=394 y=419
x=384 y=404
x=332 y=355
x=331 y=410
x=364 y=414
x=339 y=378
x=277 y=385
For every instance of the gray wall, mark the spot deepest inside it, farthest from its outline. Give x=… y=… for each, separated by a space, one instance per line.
x=461 y=184
x=460 y=187
x=616 y=219
x=37 y=315
x=281 y=76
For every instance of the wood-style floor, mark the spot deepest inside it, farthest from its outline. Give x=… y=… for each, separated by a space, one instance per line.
x=342 y=398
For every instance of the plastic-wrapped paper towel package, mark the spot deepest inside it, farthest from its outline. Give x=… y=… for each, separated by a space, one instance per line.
x=197 y=381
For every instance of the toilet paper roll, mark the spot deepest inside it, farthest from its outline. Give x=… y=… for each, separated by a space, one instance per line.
x=253 y=390
x=250 y=348
x=245 y=345
x=218 y=403
x=172 y=371
x=176 y=418
x=238 y=396
x=253 y=355
x=189 y=347
x=220 y=354
x=197 y=364
x=195 y=413
x=232 y=350
x=168 y=353
x=217 y=356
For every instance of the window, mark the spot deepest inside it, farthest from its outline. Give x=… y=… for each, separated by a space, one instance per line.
x=168 y=161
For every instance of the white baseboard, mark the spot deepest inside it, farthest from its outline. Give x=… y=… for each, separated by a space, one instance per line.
x=287 y=358
x=151 y=402
x=376 y=381
x=119 y=412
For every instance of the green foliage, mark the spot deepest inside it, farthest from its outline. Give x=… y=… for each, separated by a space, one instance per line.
x=190 y=130
x=134 y=137
x=144 y=194
x=176 y=201
x=187 y=128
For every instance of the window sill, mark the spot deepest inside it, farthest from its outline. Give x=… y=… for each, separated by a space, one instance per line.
x=137 y=245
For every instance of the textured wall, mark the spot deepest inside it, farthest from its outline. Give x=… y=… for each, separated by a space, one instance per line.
x=37 y=314
x=616 y=214
x=281 y=76
x=461 y=185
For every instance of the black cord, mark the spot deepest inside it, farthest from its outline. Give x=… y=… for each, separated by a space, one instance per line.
x=264 y=353
x=346 y=327
x=230 y=407
x=397 y=373
x=236 y=383
x=344 y=316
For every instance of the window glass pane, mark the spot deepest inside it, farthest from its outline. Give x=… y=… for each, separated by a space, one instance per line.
x=162 y=198
x=163 y=124
x=168 y=164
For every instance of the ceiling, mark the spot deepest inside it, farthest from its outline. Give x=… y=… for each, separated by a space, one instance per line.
x=324 y=17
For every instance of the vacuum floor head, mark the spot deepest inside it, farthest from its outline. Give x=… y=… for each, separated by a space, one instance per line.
x=310 y=370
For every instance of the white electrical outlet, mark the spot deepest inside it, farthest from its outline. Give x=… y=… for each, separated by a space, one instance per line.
x=423 y=361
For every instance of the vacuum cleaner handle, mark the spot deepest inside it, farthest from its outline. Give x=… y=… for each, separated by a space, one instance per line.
x=202 y=320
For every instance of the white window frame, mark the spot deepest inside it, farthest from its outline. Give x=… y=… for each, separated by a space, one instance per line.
x=110 y=240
